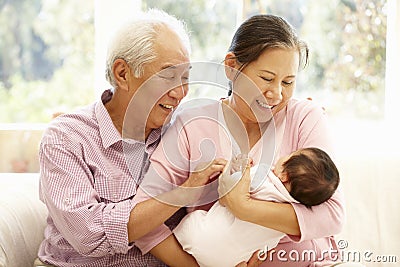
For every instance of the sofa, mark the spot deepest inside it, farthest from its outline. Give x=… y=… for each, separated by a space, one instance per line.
x=22 y=219
x=372 y=227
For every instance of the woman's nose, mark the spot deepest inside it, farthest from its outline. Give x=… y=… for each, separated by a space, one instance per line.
x=274 y=94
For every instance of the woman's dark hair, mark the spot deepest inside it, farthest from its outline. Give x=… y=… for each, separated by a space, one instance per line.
x=312 y=175
x=261 y=32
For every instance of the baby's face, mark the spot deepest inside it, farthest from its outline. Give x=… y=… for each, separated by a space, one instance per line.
x=278 y=168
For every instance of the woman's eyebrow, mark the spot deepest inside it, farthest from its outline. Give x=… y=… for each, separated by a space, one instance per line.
x=273 y=73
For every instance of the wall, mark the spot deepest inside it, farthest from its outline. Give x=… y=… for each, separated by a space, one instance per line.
x=19 y=147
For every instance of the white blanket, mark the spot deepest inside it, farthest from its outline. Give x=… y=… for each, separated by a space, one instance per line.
x=218 y=238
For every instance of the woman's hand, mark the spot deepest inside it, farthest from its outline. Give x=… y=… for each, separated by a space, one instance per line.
x=235 y=196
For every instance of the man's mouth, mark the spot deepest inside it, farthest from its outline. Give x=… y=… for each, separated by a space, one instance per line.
x=166 y=106
x=263 y=104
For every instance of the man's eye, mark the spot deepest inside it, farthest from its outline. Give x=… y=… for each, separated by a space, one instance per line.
x=167 y=76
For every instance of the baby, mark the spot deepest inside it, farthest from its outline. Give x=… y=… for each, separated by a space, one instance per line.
x=218 y=238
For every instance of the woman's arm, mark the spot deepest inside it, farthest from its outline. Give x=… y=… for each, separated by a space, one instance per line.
x=153 y=212
x=277 y=216
x=307 y=127
x=171 y=253
x=313 y=131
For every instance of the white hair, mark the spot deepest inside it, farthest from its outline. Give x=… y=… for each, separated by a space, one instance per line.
x=134 y=42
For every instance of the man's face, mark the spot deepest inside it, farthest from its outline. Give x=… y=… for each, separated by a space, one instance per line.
x=165 y=80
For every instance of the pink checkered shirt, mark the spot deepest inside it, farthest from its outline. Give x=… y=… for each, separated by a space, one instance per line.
x=87 y=184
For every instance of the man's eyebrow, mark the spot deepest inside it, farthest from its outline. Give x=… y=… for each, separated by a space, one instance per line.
x=172 y=66
x=168 y=66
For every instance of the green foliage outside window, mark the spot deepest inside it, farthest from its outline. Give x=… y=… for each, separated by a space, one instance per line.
x=46 y=58
x=47 y=54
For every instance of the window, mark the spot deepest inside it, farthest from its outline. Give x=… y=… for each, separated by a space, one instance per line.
x=46 y=58
x=52 y=58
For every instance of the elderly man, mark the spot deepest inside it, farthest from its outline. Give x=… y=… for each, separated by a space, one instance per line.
x=92 y=161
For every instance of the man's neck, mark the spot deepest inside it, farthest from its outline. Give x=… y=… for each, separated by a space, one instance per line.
x=116 y=109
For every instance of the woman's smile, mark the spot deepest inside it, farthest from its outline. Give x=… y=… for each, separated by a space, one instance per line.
x=264 y=105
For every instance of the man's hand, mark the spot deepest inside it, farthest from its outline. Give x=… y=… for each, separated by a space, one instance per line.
x=204 y=172
x=194 y=191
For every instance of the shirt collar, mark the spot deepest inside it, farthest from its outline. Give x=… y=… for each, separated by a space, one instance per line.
x=108 y=133
x=151 y=141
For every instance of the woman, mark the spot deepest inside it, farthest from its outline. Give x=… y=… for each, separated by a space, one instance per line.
x=259 y=118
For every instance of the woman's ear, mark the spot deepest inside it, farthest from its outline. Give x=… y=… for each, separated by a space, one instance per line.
x=121 y=73
x=231 y=66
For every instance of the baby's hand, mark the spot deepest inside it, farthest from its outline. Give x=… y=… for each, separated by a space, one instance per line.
x=238 y=162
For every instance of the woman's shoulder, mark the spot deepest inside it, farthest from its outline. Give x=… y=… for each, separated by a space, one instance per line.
x=304 y=105
x=198 y=108
x=302 y=108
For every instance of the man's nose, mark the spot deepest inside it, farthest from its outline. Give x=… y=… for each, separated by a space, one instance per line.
x=178 y=92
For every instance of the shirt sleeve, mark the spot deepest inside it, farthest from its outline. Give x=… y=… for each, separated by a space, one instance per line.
x=313 y=131
x=92 y=227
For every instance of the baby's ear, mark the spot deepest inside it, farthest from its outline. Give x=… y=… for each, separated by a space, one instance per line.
x=284 y=177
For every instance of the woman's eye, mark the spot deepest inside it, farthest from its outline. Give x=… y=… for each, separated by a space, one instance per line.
x=287 y=83
x=266 y=79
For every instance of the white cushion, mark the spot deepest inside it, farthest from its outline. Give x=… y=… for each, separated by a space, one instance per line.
x=22 y=219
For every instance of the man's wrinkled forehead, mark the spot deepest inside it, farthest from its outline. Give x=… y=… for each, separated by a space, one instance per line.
x=170 y=46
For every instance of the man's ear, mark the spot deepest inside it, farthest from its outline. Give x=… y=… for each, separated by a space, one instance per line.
x=121 y=73
x=231 y=66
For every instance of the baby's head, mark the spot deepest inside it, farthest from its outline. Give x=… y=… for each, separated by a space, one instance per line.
x=309 y=174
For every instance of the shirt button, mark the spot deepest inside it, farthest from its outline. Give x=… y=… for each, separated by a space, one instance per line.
x=67 y=201
x=115 y=196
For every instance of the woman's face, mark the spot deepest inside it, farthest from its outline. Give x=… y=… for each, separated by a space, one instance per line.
x=265 y=86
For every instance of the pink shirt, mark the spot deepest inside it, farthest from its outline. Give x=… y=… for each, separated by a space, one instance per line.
x=198 y=135
x=87 y=183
